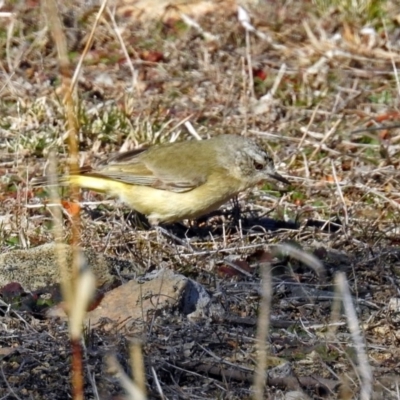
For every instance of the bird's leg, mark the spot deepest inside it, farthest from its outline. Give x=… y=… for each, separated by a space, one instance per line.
x=166 y=232
x=236 y=211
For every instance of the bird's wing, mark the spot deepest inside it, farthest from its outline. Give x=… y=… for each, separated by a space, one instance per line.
x=132 y=169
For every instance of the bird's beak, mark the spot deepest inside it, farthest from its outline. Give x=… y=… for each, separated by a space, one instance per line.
x=278 y=177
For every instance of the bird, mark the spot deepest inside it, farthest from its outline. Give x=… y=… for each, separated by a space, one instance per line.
x=171 y=182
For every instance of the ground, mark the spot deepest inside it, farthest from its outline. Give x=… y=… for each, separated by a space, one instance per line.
x=309 y=78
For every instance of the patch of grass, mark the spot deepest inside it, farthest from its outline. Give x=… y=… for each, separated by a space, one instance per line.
x=364 y=10
x=382 y=97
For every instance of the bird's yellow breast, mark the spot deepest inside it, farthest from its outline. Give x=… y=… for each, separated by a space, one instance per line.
x=166 y=206
x=163 y=205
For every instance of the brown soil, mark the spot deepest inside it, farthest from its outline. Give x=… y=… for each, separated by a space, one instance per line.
x=341 y=207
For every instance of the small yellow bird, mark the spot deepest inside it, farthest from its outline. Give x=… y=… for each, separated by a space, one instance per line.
x=175 y=181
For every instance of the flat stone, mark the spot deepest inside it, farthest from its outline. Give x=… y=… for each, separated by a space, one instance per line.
x=38 y=267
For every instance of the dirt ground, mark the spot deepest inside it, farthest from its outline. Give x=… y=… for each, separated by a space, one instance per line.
x=304 y=76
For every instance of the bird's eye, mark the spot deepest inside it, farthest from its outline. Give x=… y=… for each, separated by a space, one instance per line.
x=258 y=166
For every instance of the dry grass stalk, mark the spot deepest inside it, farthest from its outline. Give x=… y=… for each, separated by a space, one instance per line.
x=137 y=366
x=133 y=391
x=78 y=289
x=364 y=367
x=264 y=313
